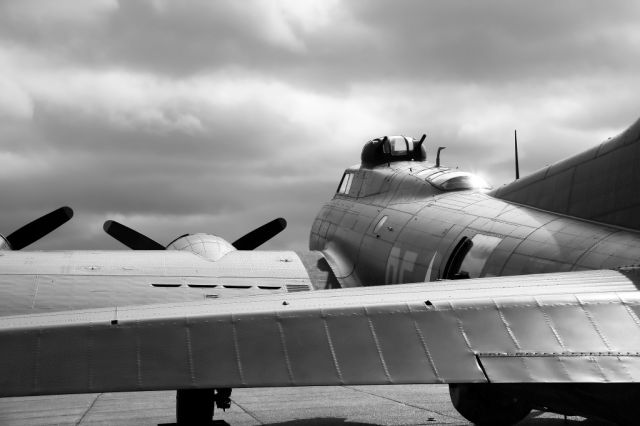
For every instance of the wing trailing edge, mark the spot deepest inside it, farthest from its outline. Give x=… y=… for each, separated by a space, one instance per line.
x=567 y=327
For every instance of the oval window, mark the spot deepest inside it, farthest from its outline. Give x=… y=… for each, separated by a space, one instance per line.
x=380 y=224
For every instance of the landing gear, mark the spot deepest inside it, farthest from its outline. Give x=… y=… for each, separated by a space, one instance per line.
x=195 y=406
x=488 y=404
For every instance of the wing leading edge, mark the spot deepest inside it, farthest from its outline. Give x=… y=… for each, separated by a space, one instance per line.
x=566 y=327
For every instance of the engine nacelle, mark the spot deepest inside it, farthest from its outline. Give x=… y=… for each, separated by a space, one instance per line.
x=210 y=247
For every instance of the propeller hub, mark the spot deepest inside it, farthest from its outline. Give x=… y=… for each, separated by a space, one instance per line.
x=4 y=244
x=210 y=247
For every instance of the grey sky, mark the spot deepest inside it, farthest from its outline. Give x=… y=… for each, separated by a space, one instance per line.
x=217 y=116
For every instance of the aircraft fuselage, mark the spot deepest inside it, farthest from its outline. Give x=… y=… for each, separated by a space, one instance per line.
x=390 y=225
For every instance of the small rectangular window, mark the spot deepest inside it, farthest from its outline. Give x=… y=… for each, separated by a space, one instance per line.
x=349 y=180
x=345 y=183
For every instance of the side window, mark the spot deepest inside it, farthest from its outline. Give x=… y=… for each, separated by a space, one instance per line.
x=470 y=256
x=345 y=183
x=452 y=268
x=380 y=224
x=349 y=180
x=474 y=261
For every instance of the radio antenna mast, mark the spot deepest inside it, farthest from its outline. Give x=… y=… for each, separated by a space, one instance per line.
x=438 y=155
x=515 y=137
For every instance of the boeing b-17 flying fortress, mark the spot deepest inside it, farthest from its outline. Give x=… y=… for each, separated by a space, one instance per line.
x=519 y=297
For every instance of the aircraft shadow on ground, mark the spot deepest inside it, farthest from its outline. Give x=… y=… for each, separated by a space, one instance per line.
x=320 y=421
x=531 y=420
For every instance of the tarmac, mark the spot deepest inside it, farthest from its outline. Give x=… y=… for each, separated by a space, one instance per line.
x=315 y=406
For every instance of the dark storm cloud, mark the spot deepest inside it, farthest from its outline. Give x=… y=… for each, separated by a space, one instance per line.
x=195 y=116
x=497 y=40
x=493 y=41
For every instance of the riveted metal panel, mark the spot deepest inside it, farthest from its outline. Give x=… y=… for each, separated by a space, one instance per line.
x=561 y=367
x=540 y=369
x=492 y=226
x=164 y=344
x=308 y=344
x=350 y=334
x=574 y=328
x=114 y=359
x=364 y=330
x=402 y=346
x=617 y=249
x=57 y=344
x=485 y=329
x=620 y=368
x=92 y=280
x=18 y=361
x=584 y=369
x=213 y=352
x=445 y=340
x=556 y=197
x=261 y=354
x=552 y=244
x=531 y=328
x=603 y=187
x=506 y=369
x=373 y=260
x=519 y=264
x=615 y=324
x=17 y=291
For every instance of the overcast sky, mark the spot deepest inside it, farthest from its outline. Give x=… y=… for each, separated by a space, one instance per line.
x=178 y=117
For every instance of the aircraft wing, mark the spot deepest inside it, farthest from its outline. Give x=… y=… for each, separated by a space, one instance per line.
x=562 y=327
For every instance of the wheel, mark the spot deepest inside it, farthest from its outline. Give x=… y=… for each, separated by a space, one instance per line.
x=194 y=406
x=488 y=404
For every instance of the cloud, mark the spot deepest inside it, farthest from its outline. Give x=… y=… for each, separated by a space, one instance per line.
x=219 y=116
x=15 y=103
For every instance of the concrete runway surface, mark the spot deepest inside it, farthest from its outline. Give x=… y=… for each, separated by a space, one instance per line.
x=316 y=406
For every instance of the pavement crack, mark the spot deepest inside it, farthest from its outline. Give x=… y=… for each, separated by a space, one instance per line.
x=403 y=403
x=246 y=411
x=88 y=409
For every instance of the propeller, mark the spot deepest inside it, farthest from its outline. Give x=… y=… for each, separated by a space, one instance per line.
x=129 y=237
x=260 y=235
x=137 y=241
x=33 y=231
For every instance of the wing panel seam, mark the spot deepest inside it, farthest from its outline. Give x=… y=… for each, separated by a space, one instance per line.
x=378 y=347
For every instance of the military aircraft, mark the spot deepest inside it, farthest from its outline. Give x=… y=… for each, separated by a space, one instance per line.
x=520 y=297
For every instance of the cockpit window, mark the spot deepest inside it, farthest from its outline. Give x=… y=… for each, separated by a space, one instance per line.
x=345 y=183
x=456 y=181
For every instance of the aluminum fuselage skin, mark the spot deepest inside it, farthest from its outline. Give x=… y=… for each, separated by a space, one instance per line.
x=424 y=225
x=420 y=238
x=391 y=226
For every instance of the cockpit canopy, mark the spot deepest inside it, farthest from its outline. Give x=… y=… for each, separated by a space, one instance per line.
x=392 y=148
x=453 y=180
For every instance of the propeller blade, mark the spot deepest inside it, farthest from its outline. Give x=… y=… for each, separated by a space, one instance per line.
x=130 y=238
x=260 y=235
x=33 y=231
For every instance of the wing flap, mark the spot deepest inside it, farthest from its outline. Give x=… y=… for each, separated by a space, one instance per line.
x=442 y=333
x=608 y=367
